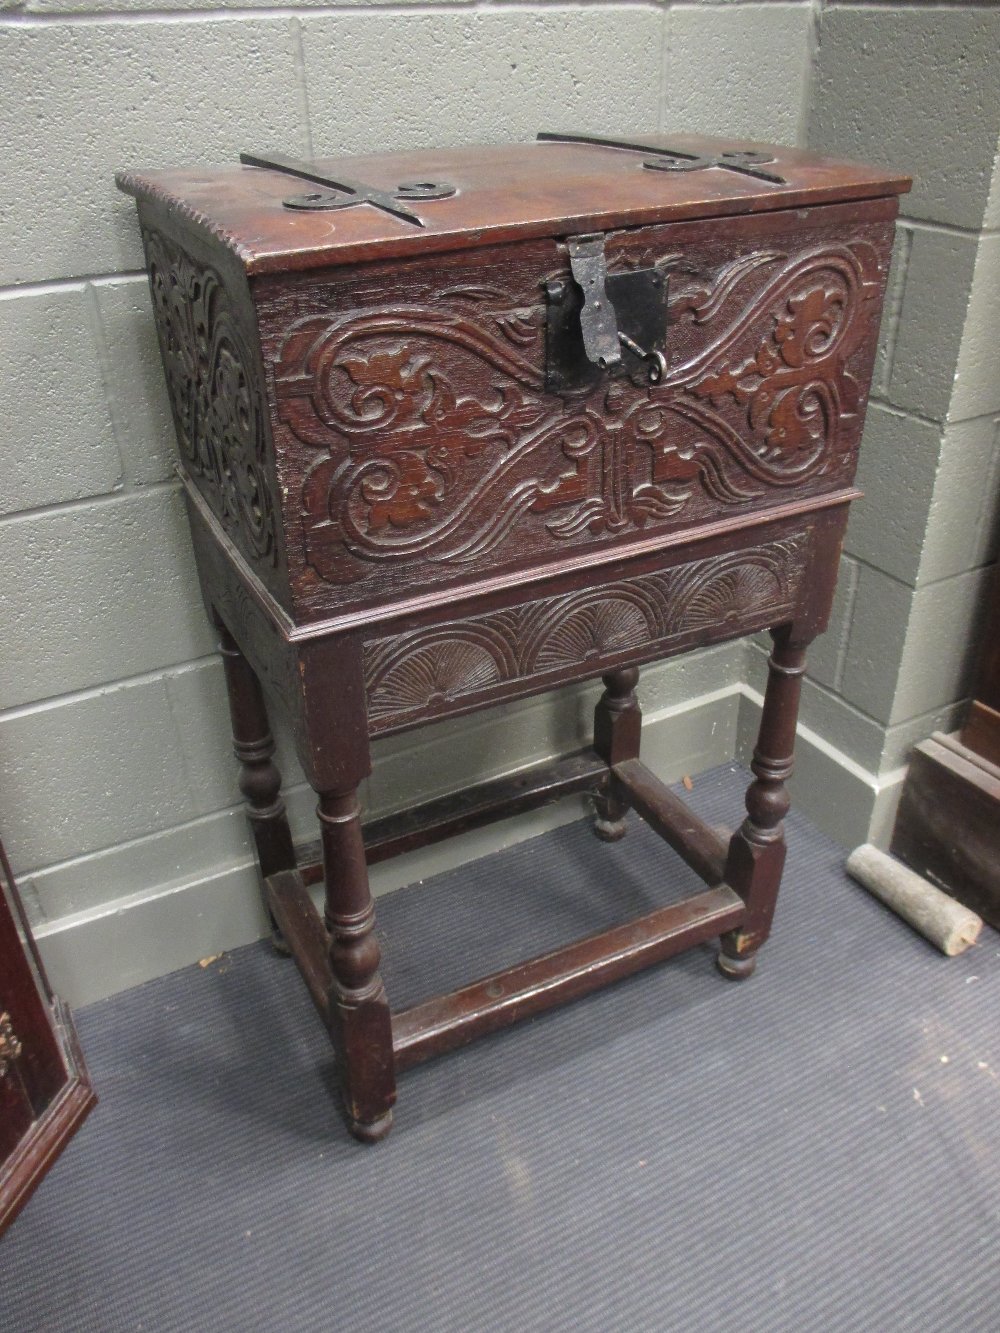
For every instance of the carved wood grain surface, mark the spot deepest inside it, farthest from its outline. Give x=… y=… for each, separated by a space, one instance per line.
x=210 y=353
x=418 y=446
x=430 y=671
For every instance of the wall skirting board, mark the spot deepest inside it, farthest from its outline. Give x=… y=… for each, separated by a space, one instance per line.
x=209 y=902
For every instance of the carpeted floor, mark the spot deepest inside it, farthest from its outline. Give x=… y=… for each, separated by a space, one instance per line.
x=818 y=1148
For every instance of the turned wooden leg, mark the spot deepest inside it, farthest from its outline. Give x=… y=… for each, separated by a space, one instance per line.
x=757 y=850
x=617 y=727
x=260 y=780
x=359 y=1012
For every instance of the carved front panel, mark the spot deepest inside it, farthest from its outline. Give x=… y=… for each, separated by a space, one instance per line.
x=428 y=672
x=207 y=343
x=419 y=444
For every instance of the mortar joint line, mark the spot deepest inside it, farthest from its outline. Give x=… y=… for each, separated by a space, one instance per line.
x=111 y=403
x=45 y=286
x=89 y=501
x=301 y=83
x=813 y=39
x=663 y=91
x=840 y=665
x=393 y=9
x=70 y=697
x=896 y=297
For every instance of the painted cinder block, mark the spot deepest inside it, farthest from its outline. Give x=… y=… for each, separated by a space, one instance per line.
x=826 y=654
x=82 y=100
x=56 y=436
x=136 y=391
x=88 y=772
x=737 y=71
x=931 y=322
x=977 y=376
x=850 y=730
x=915 y=88
x=991 y=218
x=381 y=81
x=878 y=632
x=896 y=471
x=940 y=656
x=145 y=6
x=900 y=739
x=963 y=524
x=95 y=593
x=895 y=286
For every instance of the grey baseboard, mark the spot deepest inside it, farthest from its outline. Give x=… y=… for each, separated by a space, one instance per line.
x=196 y=892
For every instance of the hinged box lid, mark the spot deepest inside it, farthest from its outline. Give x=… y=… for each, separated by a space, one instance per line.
x=473 y=196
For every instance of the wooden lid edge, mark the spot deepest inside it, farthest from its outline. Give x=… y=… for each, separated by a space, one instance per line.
x=142 y=189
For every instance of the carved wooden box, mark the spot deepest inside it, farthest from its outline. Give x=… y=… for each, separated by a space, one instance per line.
x=461 y=425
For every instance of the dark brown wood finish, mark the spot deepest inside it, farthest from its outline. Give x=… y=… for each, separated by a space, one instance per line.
x=529 y=988
x=982 y=725
x=948 y=823
x=260 y=780
x=617 y=732
x=422 y=825
x=757 y=850
x=45 y=1093
x=400 y=512
x=691 y=838
x=505 y=193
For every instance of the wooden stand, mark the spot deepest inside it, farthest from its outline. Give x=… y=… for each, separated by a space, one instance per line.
x=338 y=954
x=561 y=416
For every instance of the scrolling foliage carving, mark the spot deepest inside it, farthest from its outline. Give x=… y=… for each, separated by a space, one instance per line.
x=434 y=437
x=424 y=672
x=215 y=392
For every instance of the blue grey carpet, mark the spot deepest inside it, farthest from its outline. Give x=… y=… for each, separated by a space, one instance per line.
x=816 y=1148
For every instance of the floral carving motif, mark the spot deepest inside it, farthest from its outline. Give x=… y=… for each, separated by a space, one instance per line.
x=215 y=393
x=435 y=437
x=426 y=671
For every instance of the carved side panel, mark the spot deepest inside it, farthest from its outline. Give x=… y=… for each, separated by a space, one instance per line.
x=429 y=672
x=427 y=447
x=217 y=396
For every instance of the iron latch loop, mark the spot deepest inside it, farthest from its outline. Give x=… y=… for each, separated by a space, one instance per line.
x=598 y=322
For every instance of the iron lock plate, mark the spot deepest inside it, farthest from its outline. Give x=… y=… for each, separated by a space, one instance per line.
x=601 y=324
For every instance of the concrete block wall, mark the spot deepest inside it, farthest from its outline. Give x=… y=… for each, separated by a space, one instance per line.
x=917 y=86
x=118 y=799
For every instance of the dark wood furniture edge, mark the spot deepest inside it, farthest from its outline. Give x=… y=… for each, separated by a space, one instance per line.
x=138 y=184
x=48 y=1136
x=444 y=1022
x=982 y=731
x=459 y=812
x=303 y=932
x=700 y=846
x=465 y=595
x=504 y=997
x=261 y=594
x=483 y=588
x=948 y=823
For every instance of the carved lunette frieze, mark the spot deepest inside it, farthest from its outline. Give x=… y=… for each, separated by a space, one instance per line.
x=435 y=440
x=215 y=392
x=426 y=671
